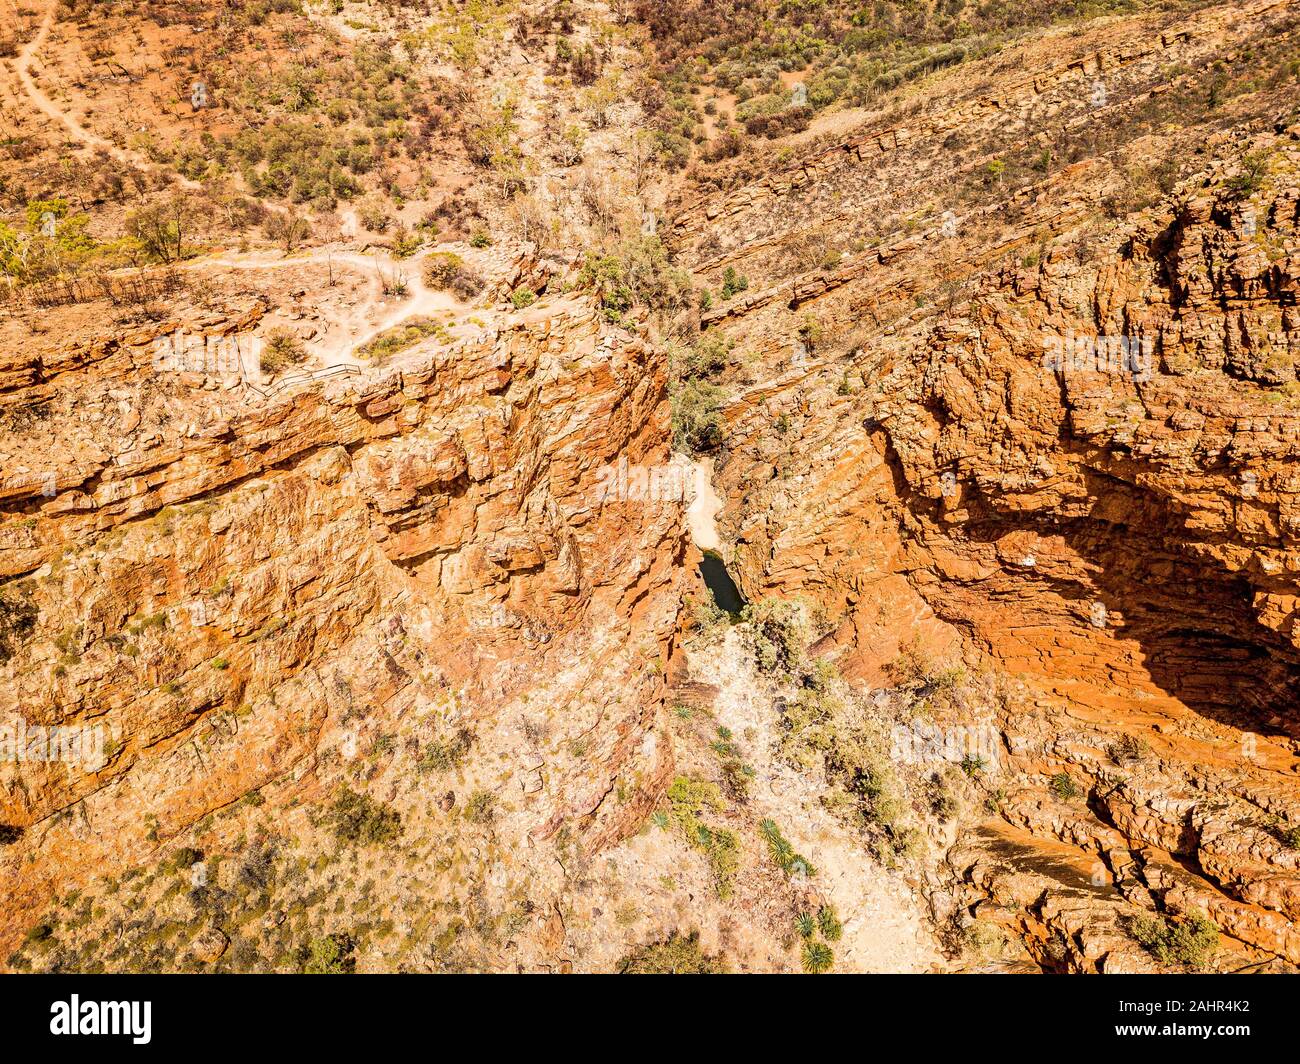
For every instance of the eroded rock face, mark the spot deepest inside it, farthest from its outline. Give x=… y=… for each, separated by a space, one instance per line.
x=241 y=598
x=1043 y=425
x=1063 y=447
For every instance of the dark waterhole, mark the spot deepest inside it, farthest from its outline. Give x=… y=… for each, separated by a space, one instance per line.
x=718 y=580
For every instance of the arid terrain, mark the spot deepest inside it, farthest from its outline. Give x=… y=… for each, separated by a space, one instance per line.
x=507 y=485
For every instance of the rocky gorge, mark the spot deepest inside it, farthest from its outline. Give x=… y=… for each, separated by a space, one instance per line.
x=393 y=669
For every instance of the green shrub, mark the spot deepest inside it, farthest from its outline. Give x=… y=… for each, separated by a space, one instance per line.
x=481 y=807
x=373 y=217
x=688 y=800
x=283 y=349
x=328 y=955
x=1191 y=941
x=831 y=928
x=406 y=242
x=1063 y=786
x=766 y=105
x=447 y=271
x=358 y=818
x=523 y=297
x=442 y=755
x=733 y=283
x=675 y=955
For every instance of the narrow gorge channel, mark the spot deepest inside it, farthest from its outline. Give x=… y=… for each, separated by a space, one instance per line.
x=701 y=519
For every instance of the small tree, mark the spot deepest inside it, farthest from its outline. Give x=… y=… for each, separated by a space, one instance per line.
x=1249 y=179
x=160 y=228
x=288 y=229
x=697 y=417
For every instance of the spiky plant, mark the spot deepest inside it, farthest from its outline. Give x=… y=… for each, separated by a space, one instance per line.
x=817 y=958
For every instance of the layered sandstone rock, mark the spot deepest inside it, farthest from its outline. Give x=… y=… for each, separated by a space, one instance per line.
x=1008 y=392
x=1111 y=530
x=237 y=595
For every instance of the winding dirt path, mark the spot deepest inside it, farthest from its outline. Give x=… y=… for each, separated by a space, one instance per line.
x=42 y=102
x=421 y=300
x=79 y=133
x=358 y=326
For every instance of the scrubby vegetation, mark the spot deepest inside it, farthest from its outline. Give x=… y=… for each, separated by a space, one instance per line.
x=842 y=52
x=1190 y=941
x=697 y=416
x=358 y=818
x=829 y=924
x=329 y=955
x=778 y=632
x=826 y=728
x=1128 y=750
x=481 y=807
x=259 y=898
x=43 y=240
x=283 y=349
x=316 y=129
x=448 y=271
x=1289 y=836
x=634 y=274
x=442 y=755
x=287 y=112
x=390 y=342
x=678 y=954
x=688 y=801
x=17 y=622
